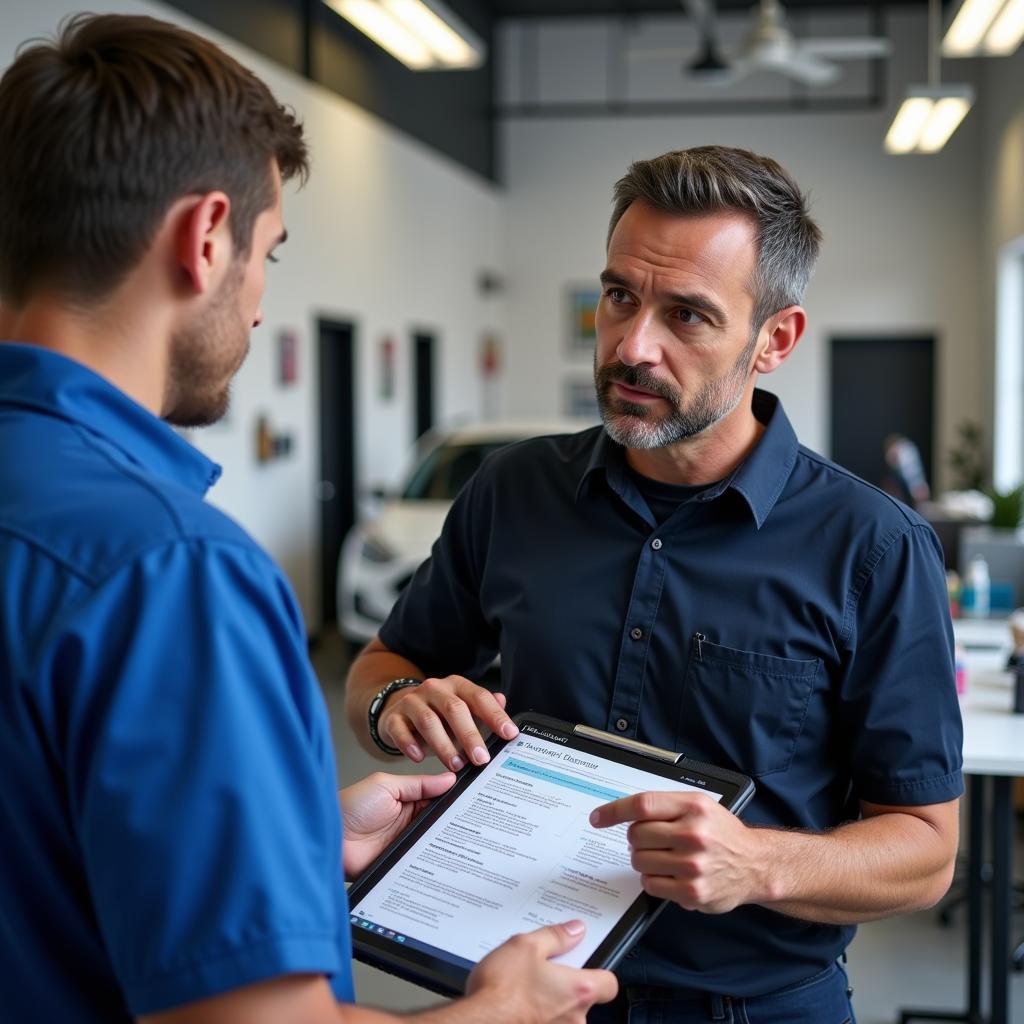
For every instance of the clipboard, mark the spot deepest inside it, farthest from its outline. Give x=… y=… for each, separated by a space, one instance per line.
x=509 y=848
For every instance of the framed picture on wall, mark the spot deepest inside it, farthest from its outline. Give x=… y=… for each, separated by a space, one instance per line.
x=580 y=399
x=287 y=357
x=582 y=308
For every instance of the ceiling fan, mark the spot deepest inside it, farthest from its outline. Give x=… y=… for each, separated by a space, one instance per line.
x=768 y=46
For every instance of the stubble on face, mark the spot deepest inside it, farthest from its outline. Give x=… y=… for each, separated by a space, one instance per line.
x=205 y=355
x=638 y=426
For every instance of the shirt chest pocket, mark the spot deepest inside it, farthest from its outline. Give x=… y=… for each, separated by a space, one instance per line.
x=744 y=710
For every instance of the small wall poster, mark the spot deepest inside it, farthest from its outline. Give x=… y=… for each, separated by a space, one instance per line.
x=287 y=357
x=386 y=369
x=580 y=400
x=582 y=314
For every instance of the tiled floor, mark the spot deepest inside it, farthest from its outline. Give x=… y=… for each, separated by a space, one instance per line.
x=904 y=961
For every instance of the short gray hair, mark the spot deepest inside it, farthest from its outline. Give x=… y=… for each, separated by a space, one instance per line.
x=710 y=179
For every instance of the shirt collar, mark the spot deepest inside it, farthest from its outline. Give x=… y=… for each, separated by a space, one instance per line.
x=759 y=479
x=34 y=377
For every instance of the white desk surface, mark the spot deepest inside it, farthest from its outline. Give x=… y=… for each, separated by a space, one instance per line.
x=993 y=734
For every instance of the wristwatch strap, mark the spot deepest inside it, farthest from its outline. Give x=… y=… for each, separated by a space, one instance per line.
x=377 y=706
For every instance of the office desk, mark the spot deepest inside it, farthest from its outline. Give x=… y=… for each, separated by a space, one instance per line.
x=993 y=756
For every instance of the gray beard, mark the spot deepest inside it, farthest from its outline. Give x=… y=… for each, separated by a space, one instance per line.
x=636 y=426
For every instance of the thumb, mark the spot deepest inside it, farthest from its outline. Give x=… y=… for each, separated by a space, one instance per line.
x=411 y=788
x=555 y=939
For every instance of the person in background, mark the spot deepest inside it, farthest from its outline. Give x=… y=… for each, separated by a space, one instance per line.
x=905 y=477
x=173 y=848
x=688 y=575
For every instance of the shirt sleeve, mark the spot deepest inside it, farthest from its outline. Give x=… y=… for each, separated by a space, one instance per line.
x=201 y=776
x=438 y=622
x=898 y=701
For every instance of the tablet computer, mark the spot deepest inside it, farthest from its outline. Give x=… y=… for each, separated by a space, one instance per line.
x=510 y=848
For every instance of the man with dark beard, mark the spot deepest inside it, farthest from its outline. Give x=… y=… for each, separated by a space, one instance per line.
x=691 y=577
x=173 y=849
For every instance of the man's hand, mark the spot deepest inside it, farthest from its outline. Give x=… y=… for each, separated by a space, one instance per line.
x=893 y=860
x=689 y=849
x=520 y=978
x=376 y=810
x=443 y=716
x=516 y=984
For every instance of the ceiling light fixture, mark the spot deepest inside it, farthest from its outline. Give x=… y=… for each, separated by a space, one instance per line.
x=986 y=27
x=930 y=113
x=423 y=34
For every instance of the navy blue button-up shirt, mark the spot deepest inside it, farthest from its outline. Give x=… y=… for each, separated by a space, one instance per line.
x=790 y=622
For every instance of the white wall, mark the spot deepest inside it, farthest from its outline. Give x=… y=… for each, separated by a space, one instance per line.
x=1003 y=117
x=393 y=236
x=1003 y=220
x=386 y=233
x=902 y=234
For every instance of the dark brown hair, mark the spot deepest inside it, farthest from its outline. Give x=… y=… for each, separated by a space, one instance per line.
x=104 y=128
x=709 y=179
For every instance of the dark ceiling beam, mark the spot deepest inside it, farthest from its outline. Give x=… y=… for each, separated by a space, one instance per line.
x=686 y=108
x=449 y=111
x=503 y=9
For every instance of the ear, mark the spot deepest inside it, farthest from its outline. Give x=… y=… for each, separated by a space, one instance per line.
x=204 y=245
x=779 y=336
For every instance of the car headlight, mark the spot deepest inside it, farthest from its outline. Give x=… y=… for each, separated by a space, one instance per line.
x=375 y=550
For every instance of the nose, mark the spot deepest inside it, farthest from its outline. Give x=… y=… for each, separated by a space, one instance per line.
x=639 y=343
x=258 y=319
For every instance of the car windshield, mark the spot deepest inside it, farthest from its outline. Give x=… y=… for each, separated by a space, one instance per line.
x=445 y=471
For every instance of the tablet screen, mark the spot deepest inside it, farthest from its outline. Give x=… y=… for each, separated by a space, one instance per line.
x=516 y=851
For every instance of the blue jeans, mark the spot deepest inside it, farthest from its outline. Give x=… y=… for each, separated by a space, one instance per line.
x=821 y=999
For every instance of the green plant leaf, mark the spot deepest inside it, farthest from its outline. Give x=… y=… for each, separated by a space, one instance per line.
x=1007 y=508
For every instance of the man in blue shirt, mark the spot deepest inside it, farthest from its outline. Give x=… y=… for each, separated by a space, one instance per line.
x=689 y=576
x=172 y=843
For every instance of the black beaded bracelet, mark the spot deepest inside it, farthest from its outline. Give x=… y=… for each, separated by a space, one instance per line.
x=377 y=706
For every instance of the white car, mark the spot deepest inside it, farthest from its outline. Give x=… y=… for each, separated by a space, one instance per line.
x=379 y=556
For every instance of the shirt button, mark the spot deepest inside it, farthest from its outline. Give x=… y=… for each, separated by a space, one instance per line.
x=621 y=724
x=636 y=633
x=656 y=543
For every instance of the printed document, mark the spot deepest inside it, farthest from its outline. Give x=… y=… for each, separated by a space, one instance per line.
x=517 y=851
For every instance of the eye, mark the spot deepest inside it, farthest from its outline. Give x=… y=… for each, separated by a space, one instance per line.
x=617 y=295
x=689 y=317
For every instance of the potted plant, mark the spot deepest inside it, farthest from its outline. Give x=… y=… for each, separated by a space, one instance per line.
x=1007 y=508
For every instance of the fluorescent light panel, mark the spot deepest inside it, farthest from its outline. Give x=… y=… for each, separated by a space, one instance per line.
x=423 y=34
x=968 y=28
x=1007 y=30
x=927 y=118
x=994 y=27
x=372 y=20
x=945 y=116
x=448 y=43
x=907 y=124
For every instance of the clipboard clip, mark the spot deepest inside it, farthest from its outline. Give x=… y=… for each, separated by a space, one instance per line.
x=624 y=743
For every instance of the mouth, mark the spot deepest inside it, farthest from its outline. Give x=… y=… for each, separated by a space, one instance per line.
x=637 y=395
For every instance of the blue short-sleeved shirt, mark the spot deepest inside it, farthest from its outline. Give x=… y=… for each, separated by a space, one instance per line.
x=790 y=622
x=167 y=788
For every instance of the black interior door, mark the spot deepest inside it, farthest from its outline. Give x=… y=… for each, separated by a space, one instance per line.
x=336 y=489
x=423 y=372
x=881 y=386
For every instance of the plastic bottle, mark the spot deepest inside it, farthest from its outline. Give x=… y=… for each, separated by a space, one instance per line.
x=961 y=671
x=953 y=589
x=980 y=583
